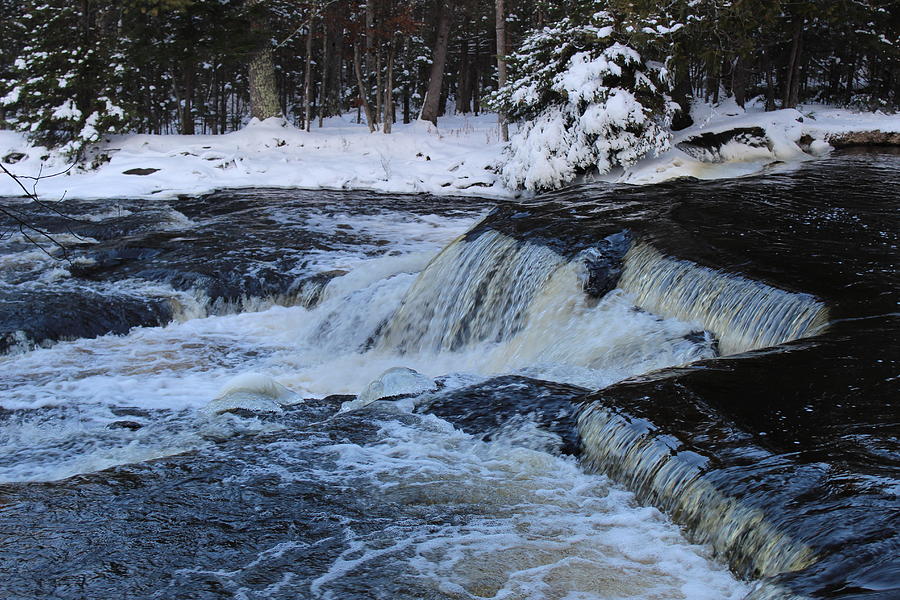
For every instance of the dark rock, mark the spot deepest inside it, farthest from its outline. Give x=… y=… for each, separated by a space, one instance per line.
x=864 y=138
x=484 y=408
x=14 y=157
x=131 y=425
x=129 y=411
x=145 y=171
x=793 y=436
x=706 y=147
x=604 y=264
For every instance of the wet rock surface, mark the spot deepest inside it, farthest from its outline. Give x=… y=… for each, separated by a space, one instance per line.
x=806 y=433
x=486 y=408
x=227 y=252
x=803 y=436
x=864 y=138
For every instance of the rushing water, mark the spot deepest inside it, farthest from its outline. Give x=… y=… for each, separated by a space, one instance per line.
x=212 y=397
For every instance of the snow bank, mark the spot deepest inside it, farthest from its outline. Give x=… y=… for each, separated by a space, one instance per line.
x=787 y=136
x=456 y=158
x=460 y=157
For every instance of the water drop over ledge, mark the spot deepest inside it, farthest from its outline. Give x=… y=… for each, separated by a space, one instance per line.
x=779 y=460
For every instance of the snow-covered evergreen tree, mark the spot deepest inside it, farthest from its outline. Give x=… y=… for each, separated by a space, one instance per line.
x=585 y=99
x=63 y=84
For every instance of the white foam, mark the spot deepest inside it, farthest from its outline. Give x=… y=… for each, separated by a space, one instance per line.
x=528 y=524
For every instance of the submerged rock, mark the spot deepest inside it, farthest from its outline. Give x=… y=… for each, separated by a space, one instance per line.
x=489 y=408
x=130 y=425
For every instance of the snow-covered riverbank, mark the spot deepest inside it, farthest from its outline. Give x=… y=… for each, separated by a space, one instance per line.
x=456 y=158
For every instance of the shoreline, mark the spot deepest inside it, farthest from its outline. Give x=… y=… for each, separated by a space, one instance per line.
x=456 y=158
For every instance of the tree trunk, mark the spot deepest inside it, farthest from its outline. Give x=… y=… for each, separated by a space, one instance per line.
x=681 y=94
x=307 y=85
x=432 y=102
x=770 y=85
x=464 y=87
x=740 y=77
x=261 y=71
x=323 y=86
x=187 y=116
x=369 y=56
x=501 y=61
x=379 y=82
x=388 y=117
x=406 y=115
x=476 y=79
x=792 y=78
x=361 y=86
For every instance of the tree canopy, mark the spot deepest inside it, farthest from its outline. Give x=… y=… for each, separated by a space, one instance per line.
x=72 y=72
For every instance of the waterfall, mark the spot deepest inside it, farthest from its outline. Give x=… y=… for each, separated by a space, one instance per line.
x=480 y=290
x=633 y=452
x=473 y=291
x=742 y=313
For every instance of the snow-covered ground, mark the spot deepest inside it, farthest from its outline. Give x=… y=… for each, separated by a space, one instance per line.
x=456 y=158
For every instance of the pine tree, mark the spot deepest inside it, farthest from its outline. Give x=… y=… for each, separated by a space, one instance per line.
x=584 y=100
x=66 y=79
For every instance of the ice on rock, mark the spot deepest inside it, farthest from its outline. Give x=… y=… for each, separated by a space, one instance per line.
x=396 y=381
x=252 y=392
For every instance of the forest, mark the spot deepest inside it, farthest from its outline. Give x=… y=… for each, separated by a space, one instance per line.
x=73 y=71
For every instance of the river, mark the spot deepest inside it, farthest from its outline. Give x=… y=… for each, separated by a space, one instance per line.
x=685 y=390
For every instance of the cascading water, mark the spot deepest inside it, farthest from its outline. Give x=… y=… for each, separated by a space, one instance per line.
x=743 y=314
x=665 y=475
x=504 y=305
x=473 y=291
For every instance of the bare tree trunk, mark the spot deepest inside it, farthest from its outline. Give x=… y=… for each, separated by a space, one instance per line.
x=406 y=111
x=388 y=117
x=261 y=72
x=187 y=112
x=369 y=57
x=770 y=85
x=476 y=79
x=739 y=79
x=307 y=86
x=432 y=102
x=792 y=78
x=464 y=88
x=361 y=86
x=379 y=81
x=501 y=61
x=323 y=88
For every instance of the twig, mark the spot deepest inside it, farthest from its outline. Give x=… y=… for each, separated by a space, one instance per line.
x=24 y=226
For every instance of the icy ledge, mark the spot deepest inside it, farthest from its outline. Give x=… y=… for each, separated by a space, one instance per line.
x=457 y=158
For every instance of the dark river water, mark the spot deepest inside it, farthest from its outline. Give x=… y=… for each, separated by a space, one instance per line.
x=686 y=390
